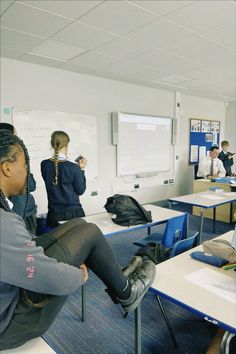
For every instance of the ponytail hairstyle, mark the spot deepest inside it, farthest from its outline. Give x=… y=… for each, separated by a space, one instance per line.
x=9 y=152
x=59 y=139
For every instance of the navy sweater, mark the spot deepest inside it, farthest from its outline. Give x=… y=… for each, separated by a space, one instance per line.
x=19 y=202
x=226 y=162
x=71 y=184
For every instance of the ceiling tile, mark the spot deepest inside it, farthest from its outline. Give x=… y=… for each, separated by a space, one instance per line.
x=9 y=53
x=165 y=61
x=117 y=17
x=127 y=68
x=224 y=34
x=57 y=50
x=201 y=50
x=83 y=36
x=4 y=5
x=18 y=41
x=162 y=7
x=76 y=68
x=94 y=60
x=123 y=48
x=69 y=8
x=201 y=14
x=36 y=59
x=28 y=19
x=158 y=33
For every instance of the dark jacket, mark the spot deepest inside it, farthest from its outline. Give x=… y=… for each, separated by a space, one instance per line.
x=226 y=162
x=63 y=199
x=19 y=202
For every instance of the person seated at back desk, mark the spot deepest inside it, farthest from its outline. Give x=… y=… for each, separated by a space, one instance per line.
x=226 y=157
x=210 y=166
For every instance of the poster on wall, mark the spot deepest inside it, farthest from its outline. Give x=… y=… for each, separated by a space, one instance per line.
x=214 y=139
x=215 y=127
x=206 y=126
x=208 y=138
x=195 y=125
x=204 y=133
x=194 y=153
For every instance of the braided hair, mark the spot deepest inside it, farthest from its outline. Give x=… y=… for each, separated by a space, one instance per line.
x=59 y=139
x=7 y=153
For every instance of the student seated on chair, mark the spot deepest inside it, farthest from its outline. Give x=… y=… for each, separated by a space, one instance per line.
x=24 y=205
x=210 y=166
x=226 y=157
x=37 y=274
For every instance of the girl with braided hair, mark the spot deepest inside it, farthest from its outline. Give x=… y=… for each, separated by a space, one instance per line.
x=37 y=274
x=24 y=205
x=64 y=180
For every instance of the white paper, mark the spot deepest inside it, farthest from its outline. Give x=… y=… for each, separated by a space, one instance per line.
x=211 y=197
x=219 y=284
x=194 y=153
x=230 y=194
x=202 y=151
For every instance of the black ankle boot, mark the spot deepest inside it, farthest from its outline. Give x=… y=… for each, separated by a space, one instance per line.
x=140 y=282
x=135 y=263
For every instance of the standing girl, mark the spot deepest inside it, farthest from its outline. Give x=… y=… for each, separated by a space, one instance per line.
x=64 y=181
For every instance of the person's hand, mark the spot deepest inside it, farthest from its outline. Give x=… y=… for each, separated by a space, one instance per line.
x=230 y=157
x=82 y=163
x=84 y=271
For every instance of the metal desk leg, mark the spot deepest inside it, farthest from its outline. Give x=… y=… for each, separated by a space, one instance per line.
x=214 y=221
x=231 y=213
x=225 y=343
x=137 y=314
x=201 y=225
x=83 y=294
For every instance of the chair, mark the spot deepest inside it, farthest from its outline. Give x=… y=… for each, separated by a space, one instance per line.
x=179 y=247
x=175 y=230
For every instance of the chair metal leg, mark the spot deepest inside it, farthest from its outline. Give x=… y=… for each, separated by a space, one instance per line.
x=167 y=321
x=138 y=344
x=83 y=294
x=225 y=343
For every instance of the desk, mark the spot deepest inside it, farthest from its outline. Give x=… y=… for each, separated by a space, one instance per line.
x=170 y=283
x=223 y=213
x=205 y=200
x=109 y=228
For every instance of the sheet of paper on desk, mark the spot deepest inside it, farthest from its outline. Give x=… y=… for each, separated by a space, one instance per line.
x=230 y=194
x=211 y=197
x=219 y=284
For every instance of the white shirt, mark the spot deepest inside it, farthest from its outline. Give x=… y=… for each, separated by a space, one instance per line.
x=204 y=167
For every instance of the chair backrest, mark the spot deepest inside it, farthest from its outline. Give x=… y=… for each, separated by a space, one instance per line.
x=184 y=245
x=175 y=230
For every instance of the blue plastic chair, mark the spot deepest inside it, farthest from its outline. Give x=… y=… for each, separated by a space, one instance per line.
x=184 y=245
x=179 y=247
x=175 y=230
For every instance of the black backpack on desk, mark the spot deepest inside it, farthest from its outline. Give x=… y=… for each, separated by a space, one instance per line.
x=127 y=210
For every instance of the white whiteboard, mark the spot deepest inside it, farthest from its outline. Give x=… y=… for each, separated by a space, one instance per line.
x=143 y=144
x=35 y=127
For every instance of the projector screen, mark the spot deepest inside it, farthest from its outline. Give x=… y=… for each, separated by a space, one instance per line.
x=143 y=143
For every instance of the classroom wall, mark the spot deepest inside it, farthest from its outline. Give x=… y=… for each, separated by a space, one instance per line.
x=230 y=129
x=33 y=86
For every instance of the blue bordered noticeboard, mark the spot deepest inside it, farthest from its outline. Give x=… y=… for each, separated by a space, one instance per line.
x=203 y=134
